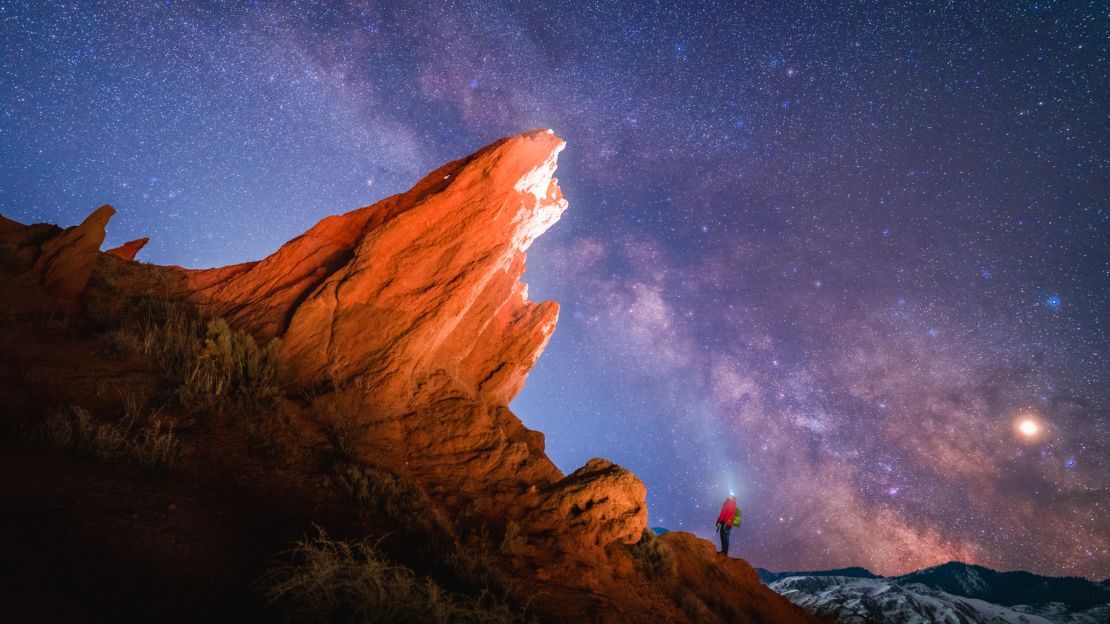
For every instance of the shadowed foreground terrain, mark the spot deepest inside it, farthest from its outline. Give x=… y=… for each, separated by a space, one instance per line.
x=322 y=435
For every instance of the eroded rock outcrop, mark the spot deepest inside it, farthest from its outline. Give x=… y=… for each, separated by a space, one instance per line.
x=128 y=250
x=66 y=261
x=415 y=306
x=418 y=292
x=598 y=504
x=416 y=300
x=419 y=297
x=51 y=265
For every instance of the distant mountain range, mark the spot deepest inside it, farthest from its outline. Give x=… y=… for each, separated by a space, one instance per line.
x=953 y=592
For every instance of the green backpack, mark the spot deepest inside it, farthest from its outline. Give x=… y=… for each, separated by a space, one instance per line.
x=736 y=517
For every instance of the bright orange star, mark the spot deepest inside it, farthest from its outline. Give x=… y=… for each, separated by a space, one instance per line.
x=1028 y=426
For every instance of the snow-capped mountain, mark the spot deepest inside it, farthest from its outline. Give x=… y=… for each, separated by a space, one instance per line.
x=1010 y=588
x=954 y=593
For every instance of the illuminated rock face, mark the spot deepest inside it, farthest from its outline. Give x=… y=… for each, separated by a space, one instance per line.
x=598 y=504
x=419 y=297
x=418 y=291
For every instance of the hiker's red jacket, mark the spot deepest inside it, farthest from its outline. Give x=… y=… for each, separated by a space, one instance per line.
x=727 y=511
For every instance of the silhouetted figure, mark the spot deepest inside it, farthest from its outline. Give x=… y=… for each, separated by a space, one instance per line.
x=728 y=518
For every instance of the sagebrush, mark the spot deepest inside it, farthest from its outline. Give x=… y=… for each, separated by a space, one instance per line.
x=343 y=417
x=232 y=365
x=652 y=557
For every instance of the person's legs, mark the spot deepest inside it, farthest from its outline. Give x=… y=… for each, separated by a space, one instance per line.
x=725 y=530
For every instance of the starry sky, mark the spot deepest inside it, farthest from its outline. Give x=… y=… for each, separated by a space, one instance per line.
x=827 y=256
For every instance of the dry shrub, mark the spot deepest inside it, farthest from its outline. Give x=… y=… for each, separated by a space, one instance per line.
x=513 y=542
x=473 y=567
x=343 y=418
x=212 y=365
x=168 y=330
x=77 y=431
x=330 y=580
x=120 y=343
x=345 y=435
x=401 y=503
x=157 y=447
x=416 y=519
x=141 y=303
x=651 y=556
x=232 y=366
x=374 y=489
x=74 y=429
x=164 y=327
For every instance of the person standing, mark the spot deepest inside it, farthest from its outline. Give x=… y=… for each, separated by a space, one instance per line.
x=728 y=517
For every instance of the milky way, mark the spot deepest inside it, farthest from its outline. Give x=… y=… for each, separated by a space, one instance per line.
x=825 y=257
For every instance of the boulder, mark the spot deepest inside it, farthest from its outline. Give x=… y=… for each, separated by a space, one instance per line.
x=597 y=505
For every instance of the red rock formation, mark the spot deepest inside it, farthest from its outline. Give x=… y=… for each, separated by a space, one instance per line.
x=66 y=261
x=598 y=504
x=128 y=250
x=50 y=266
x=416 y=303
x=419 y=296
x=418 y=292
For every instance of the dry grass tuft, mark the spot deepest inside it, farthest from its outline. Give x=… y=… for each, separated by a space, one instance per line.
x=652 y=557
x=416 y=519
x=77 y=431
x=343 y=417
x=157 y=447
x=386 y=494
x=232 y=366
x=514 y=541
x=120 y=343
x=330 y=580
x=168 y=330
x=74 y=429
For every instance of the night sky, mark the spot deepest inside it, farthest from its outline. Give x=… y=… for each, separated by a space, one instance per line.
x=826 y=257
